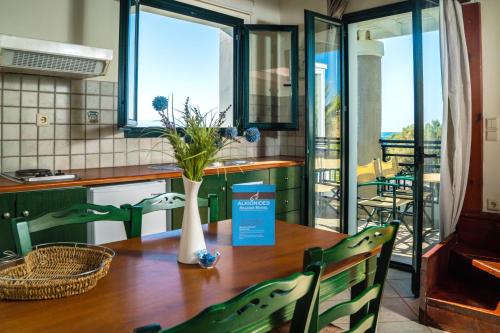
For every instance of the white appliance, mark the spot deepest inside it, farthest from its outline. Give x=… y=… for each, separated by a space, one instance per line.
x=42 y=57
x=116 y=195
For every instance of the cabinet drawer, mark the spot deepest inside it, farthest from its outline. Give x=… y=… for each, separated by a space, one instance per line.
x=7 y=211
x=290 y=217
x=286 y=178
x=287 y=200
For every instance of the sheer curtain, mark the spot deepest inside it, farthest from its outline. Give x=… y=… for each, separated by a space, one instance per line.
x=336 y=8
x=456 y=132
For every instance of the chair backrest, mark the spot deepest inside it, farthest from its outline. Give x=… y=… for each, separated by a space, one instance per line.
x=387 y=169
x=367 y=173
x=167 y=201
x=260 y=308
x=374 y=246
x=76 y=214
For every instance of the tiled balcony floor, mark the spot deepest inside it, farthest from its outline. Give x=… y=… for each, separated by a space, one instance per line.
x=399 y=310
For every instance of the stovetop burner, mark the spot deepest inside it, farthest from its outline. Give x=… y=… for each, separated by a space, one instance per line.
x=39 y=175
x=33 y=173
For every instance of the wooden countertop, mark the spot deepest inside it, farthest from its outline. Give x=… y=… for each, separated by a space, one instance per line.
x=102 y=176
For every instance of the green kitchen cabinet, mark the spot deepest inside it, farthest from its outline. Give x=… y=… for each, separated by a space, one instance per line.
x=292 y=217
x=213 y=184
x=287 y=200
x=243 y=177
x=35 y=203
x=286 y=178
x=7 y=211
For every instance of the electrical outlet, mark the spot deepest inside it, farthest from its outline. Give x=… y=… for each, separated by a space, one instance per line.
x=493 y=204
x=42 y=119
x=93 y=117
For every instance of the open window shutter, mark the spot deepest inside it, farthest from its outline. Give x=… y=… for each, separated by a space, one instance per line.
x=270 y=75
x=127 y=77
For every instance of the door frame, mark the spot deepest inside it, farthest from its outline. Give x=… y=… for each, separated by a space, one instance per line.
x=415 y=8
x=309 y=20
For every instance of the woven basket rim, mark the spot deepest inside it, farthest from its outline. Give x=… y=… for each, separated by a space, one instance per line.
x=13 y=263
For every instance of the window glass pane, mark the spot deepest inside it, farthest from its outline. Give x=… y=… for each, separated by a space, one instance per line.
x=381 y=127
x=270 y=86
x=131 y=65
x=179 y=57
x=433 y=119
x=327 y=108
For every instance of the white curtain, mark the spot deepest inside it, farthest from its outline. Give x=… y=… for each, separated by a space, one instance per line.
x=456 y=133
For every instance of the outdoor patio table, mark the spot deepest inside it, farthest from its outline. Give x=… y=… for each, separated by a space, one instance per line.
x=146 y=284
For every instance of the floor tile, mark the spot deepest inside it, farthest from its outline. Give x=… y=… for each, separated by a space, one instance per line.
x=402 y=287
x=395 y=309
x=389 y=292
x=397 y=274
x=413 y=303
x=402 y=326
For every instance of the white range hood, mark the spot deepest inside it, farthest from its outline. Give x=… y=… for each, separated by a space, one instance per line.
x=41 y=57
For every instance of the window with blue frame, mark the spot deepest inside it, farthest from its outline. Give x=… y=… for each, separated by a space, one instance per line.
x=178 y=51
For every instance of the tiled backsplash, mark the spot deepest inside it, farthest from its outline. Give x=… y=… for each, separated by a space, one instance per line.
x=74 y=141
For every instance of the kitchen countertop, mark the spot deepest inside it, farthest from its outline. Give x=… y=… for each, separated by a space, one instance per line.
x=115 y=175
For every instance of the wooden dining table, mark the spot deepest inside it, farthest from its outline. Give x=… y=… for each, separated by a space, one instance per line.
x=146 y=284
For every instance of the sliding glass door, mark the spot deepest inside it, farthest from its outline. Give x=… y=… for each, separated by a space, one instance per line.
x=324 y=121
x=374 y=107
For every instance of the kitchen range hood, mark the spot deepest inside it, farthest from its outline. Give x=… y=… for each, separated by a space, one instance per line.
x=41 y=57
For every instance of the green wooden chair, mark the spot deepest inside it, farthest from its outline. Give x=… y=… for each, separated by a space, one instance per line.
x=258 y=308
x=76 y=214
x=366 y=279
x=167 y=201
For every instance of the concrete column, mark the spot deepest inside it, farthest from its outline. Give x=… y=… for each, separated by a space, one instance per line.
x=369 y=53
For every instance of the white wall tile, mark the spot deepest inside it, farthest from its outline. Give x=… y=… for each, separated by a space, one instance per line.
x=29 y=147
x=28 y=115
x=10 y=131
x=62 y=147
x=47 y=84
x=29 y=82
x=46 y=162
x=29 y=132
x=61 y=162
x=10 y=148
x=92 y=161
x=10 y=164
x=11 y=98
x=29 y=162
x=29 y=99
x=77 y=162
x=11 y=114
x=12 y=81
x=46 y=147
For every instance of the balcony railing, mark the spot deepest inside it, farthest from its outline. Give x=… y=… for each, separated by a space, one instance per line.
x=404 y=150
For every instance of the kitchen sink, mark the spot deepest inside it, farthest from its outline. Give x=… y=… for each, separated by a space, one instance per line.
x=230 y=163
x=165 y=167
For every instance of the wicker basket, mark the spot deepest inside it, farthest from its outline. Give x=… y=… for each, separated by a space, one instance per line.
x=54 y=271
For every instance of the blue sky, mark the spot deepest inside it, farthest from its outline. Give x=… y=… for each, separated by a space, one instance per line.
x=397 y=80
x=166 y=62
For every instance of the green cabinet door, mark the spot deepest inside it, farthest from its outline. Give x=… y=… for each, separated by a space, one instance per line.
x=213 y=184
x=285 y=178
x=243 y=177
x=7 y=211
x=290 y=217
x=36 y=203
x=287 y=200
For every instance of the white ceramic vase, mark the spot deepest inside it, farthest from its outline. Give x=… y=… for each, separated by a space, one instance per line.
x=192 y=238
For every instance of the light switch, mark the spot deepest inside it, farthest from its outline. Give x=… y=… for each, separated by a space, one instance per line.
x=491 y=124
x=491 y=136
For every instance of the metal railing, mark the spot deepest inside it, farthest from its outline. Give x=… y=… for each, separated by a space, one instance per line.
x=404 y=150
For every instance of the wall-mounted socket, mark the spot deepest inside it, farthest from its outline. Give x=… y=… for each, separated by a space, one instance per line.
x=493 y=204
x=42 y=119
x=92 y=117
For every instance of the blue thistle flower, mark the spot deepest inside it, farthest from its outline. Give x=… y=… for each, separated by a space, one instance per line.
x=160 y=103
x=230 y=133
x=188 y=139
x=252 y=134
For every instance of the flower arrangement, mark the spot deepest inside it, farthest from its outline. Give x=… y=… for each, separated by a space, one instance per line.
x=197 y=138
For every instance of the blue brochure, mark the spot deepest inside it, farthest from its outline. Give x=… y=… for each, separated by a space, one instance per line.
x=253 y=214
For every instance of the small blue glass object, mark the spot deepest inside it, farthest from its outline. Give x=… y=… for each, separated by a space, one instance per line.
x=206 y=259
x=252 y=134
x=160 y=103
